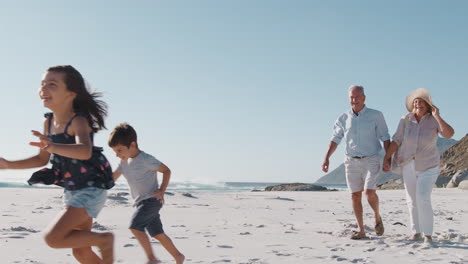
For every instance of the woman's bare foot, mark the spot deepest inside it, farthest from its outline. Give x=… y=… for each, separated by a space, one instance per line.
x=428 y=241
x=107 y=248
x=415 y=237
x=180 y=259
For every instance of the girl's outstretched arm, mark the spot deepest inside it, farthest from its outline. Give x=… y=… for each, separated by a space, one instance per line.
x=39 y=160
x=82 y=150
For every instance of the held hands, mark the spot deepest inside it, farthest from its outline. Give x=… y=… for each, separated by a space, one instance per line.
x=387 y=164
x=159 y=194
x=44 y=142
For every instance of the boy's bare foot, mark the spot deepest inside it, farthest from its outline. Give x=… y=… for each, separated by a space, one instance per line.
x=107 y=248
x=180 y=259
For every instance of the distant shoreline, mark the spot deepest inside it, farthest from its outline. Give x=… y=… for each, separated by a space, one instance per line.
x=178 y=187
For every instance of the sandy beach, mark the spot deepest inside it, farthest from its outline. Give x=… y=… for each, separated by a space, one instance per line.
x=247 y=227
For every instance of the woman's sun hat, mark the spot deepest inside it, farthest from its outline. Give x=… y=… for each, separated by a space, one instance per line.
x=418 y=93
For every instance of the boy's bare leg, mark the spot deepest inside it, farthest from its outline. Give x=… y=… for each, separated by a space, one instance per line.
x=166 y=242
x=86 y=255
x=64 y=234
x=145 y=243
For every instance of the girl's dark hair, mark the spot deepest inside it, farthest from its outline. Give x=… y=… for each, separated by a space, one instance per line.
x=85 y=103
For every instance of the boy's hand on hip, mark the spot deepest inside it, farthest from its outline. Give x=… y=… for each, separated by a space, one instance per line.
x=158 y=194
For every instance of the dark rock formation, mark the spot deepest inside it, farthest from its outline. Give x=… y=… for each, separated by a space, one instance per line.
x=459 y=179
x=453 y=160
x=292 y=187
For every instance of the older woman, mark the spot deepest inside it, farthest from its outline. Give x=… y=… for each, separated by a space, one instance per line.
x=415 y=148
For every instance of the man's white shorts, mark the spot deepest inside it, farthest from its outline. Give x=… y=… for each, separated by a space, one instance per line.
x=362 y=174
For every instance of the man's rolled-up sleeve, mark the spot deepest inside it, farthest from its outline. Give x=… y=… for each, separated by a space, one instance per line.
x=382 y=128
x=338 y=131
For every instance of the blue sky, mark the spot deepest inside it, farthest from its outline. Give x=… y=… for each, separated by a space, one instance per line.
x=233 y=90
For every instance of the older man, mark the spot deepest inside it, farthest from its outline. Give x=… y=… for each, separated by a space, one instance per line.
x=362 y=129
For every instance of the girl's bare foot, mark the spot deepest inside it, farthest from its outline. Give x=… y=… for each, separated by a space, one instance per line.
x=180 y=259
x=107 y=248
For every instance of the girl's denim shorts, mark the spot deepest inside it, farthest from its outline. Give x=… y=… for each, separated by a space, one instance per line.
x=90 y=198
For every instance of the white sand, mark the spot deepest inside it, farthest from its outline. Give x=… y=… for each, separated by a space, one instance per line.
x=307 y=227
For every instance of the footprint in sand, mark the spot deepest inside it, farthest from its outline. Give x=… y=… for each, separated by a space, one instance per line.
x=100 y=227
x=225 y=246
x=282 y=199
x=338 y=258
x=19 y=232
x=306 y=248
x=21 y=229
x=276 y=245
x=29 y=261
x=44 y=207
x=222 y=261
x=369 y=249
x=359 y=260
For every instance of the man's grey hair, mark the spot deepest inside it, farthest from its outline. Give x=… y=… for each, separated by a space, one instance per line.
x=358 y=87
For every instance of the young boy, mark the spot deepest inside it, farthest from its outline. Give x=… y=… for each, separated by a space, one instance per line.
x=140 y=170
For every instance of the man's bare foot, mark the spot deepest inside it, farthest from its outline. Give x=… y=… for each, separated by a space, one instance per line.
x=180 y=259
x=359 y=235
x=107 y=248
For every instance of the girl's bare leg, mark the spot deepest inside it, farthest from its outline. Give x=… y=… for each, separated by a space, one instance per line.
x=86 y=255
x=64 y=234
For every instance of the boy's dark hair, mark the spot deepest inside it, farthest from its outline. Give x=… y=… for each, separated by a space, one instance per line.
x=86 y=102
x=123 y=134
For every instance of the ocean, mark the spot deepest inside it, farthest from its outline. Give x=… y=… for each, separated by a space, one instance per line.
x=183 y=187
